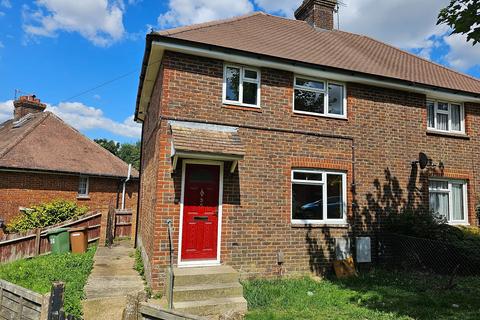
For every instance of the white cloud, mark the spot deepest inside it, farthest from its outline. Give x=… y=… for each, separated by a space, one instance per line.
x=462 y=54
x=2 y=13
x=83 y=117
x=284 y=7
x=6 y=110
x=6 y=4
x=403 y=23
x=99 y=21
x=184 y=12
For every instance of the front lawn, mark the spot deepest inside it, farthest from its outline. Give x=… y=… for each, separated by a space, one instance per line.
x=376 y=295
x=37 y=274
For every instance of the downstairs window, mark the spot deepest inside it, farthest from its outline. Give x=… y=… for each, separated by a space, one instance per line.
x=318 y=197
x=448 y=200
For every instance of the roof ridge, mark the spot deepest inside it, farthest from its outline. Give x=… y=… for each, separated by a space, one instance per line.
x=105 y=151
x=178 y=30
x=24 y=135
x=413 y=55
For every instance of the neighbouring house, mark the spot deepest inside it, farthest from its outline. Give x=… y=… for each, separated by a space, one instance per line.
x=265 y=139
x=42 y=159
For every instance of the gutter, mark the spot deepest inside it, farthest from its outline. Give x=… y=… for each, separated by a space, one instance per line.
x=58 y=172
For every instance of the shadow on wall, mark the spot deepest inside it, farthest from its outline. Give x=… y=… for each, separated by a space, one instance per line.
x=388 y=198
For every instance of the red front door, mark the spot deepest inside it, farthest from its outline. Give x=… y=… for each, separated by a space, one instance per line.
x=200 y=212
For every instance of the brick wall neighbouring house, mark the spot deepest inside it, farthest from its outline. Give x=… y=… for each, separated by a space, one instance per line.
x=19 y=189
x=387 y=128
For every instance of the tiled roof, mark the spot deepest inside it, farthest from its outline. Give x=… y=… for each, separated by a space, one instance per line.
x=42 y=141
x=296 y=40
x=202 y=138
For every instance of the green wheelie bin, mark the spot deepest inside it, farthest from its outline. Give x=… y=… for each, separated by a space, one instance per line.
x=59 y=240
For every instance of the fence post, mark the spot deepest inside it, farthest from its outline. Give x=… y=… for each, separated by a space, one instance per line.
x=56 y=301
x=37 y=241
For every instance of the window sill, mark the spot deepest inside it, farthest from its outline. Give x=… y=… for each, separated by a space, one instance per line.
x=310 y=114
x=447 y=134
x=242 y=107
x=320 y=225
x=80 y=197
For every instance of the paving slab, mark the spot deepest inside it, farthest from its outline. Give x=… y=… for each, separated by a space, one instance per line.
x=111 y=279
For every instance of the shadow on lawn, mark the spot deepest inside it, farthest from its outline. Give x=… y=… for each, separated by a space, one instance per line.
x=415 y=295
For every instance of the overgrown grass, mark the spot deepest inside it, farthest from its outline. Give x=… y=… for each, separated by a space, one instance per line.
x=376 y=295
x=38 y=273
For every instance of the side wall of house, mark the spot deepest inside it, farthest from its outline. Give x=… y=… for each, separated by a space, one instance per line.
x=147 y=237
x=385 y=131
x=19 y=189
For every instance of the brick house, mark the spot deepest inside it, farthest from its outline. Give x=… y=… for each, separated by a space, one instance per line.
x=42 y=159
x=265 y=139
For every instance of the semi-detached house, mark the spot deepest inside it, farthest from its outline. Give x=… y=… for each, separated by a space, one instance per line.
x=266 y=138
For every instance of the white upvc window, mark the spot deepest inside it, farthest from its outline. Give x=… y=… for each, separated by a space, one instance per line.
x=83 y=186
x=448 y=200
x=241 y=86
x=318 y=197
x=319 y=97
x=445 y=116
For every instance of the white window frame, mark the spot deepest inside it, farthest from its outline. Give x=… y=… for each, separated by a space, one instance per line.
x=87 y=181
x=450 y=202
x=325 y=93
x=323 y=183
x=240 y=87
x=449 y=113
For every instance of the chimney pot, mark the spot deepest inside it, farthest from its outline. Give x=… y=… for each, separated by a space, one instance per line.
x=27 y=104
x=318 y=13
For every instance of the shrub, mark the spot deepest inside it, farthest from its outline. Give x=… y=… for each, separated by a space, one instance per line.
x=46 y=214
x=422 y=223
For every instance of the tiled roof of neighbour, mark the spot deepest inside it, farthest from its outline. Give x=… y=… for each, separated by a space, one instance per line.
x=296 y=40
x=202 y=138
x=42 y=141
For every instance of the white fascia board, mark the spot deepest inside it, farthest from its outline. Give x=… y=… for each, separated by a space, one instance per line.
x=266 y=63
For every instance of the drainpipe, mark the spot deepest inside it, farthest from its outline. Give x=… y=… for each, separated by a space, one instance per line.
x=124 y=185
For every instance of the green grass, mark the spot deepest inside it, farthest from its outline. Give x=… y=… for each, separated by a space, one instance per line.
x=376 y=295
x=38 y=273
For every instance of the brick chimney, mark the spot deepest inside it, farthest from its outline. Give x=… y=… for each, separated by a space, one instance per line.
x=317 y=13
x=25 y=105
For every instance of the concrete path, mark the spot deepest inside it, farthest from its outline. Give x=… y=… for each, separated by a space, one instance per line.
x=112 y=278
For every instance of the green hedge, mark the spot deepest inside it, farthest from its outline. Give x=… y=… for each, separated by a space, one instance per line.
x=46 y=214
x=422 y=223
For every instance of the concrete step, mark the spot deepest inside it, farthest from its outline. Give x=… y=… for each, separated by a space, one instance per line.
x=204 y=275
x=212 y=306
x=207 y=291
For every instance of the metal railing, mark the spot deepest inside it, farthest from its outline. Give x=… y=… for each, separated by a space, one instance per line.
x=170 y=271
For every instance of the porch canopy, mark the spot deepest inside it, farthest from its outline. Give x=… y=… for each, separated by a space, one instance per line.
x=196 y=140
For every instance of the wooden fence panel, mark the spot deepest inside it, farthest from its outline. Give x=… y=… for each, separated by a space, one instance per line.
x=123 y=223
x=32 y=243
x=19 y=303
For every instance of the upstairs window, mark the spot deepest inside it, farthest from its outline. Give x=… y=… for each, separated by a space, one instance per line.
x=318 y=197
x=444 y=116
x=318 y=97
x=448 y=200
x=241 y=86
x=83 y=186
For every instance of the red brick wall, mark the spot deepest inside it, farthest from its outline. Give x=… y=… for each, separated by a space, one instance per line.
x=388 y=129
x=25 y=189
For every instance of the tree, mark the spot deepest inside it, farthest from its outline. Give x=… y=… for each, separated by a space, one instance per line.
x=110 y=145
x=463 y=16
x=130 y=153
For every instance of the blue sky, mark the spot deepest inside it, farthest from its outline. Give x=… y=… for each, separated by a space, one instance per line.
x=58 y=49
